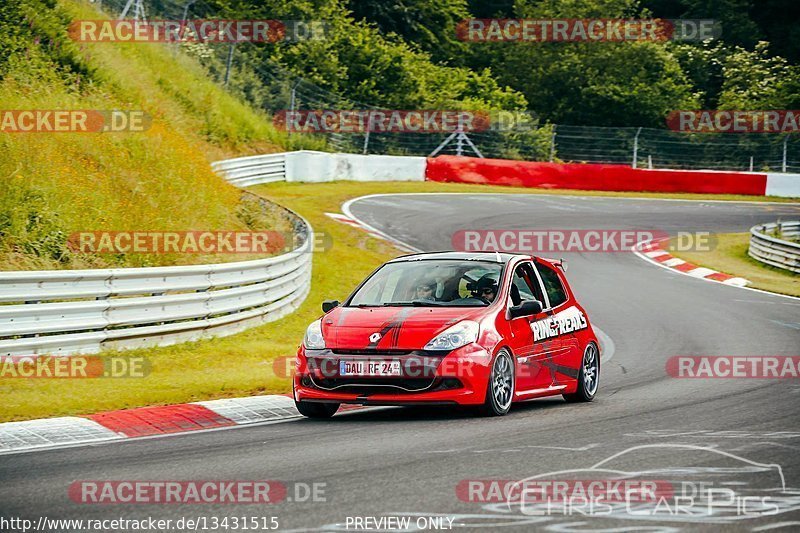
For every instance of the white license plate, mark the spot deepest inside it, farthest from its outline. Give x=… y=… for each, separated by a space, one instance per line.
x=370 y=368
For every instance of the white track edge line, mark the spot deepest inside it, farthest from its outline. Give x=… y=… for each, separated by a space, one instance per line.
x=635 y=250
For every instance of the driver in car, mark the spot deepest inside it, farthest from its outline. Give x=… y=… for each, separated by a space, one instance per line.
x=486 y=288
x=426 y=290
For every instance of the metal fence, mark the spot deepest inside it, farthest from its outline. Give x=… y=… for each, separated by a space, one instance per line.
x=769 y=244
x=247 y=171
x=246 y=70
x=84 y=311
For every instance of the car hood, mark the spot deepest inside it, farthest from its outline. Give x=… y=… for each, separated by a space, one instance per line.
x=390 y=328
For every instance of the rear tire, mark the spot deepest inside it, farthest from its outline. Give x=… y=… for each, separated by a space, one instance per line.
x=500 y=389
x=588 y=377
x=317 y=410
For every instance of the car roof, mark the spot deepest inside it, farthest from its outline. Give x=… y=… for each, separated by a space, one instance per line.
x=493 y=257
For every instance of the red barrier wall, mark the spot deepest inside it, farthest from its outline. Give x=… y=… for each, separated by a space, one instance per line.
x=590 y=176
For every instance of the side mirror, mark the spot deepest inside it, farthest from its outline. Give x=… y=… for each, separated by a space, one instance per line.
x=526 y=308
x=329 y=305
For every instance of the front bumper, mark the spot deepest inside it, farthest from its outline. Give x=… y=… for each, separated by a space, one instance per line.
x=459 y=377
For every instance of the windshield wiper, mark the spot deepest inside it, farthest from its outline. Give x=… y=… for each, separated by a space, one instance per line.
x=413 y=303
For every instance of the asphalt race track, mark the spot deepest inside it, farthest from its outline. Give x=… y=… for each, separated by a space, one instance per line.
x=739 y=434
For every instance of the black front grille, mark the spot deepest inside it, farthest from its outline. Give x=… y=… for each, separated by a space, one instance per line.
x=379 y=385
x=418 y=372
x=373 y=352
x=367 y=386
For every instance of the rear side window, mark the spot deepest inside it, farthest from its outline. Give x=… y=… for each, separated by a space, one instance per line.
x=552 y=285
x=527 y=286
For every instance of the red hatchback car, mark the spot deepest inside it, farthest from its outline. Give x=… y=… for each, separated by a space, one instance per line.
x=483 y=328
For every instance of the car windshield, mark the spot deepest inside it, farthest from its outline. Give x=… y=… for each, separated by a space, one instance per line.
x=430 y=283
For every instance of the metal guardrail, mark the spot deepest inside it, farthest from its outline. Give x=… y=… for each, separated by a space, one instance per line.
x=775 y=251
x=246 y=171
x=84 y=311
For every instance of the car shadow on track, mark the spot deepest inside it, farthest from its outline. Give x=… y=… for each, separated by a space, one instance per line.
x=428 y=413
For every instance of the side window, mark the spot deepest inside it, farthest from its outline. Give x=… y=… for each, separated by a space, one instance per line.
x=552 y=285
x=525 y=286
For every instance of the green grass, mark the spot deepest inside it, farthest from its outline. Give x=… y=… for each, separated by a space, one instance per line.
x=730 y=256
x=54 y=184
x=242 y=364
x=234 y=366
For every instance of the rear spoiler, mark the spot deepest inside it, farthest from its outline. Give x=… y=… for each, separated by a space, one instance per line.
x=560 y=263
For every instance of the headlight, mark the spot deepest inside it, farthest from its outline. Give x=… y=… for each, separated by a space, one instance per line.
x=455 y=336
x=314 y=339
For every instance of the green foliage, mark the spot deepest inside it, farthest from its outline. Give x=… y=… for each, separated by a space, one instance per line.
x=428 y=25
x=403 y=54
x=34 y=43
x=754 y=80
x=358 y=61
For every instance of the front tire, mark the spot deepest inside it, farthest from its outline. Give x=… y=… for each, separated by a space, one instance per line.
x=500 y=390
x=588 y=377
x=317 y=410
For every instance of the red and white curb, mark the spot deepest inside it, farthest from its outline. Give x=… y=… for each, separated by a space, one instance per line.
x=372 y=232
x=654 y=252
x=68 y=431
x=143 y=422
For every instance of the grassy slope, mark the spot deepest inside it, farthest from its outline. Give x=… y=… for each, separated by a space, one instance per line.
x=54 y=184
x=233 y=366
x=241 y=364
x=730 y=256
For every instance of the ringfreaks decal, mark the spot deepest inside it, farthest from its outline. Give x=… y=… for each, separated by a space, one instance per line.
x=566 y=321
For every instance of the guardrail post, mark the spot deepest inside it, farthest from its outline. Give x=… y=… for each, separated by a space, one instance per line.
x=783 y=164
x=186 y=7
x=292 y=98
x=228 y=64
x=553 y=144
x=459 y=144
x=636 y=146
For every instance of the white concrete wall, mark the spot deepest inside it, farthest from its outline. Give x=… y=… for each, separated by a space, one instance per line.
x=310 y=166
x=779 y=184
x=306 y=165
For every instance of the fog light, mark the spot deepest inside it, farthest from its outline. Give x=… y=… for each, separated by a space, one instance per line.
x=451 y=383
